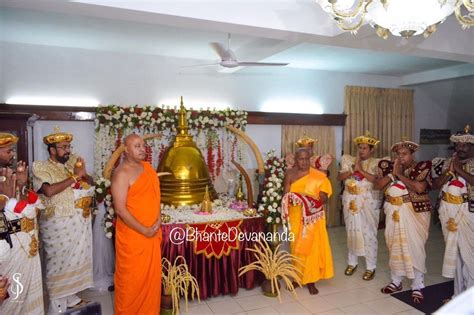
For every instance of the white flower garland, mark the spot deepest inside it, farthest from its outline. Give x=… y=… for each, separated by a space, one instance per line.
x=270 y=204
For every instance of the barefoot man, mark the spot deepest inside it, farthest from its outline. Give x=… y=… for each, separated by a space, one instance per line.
x=306 y=192
x=136 y=195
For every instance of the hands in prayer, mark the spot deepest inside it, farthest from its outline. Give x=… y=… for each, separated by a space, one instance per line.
x=80 y=168
x=397 y=168
x=21 y=174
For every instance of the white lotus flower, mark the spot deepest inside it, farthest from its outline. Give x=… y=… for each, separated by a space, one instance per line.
x=269 y=220
x=275 y=205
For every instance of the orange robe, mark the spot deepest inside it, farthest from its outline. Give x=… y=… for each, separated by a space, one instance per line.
x=311 y=247
x=138 y=258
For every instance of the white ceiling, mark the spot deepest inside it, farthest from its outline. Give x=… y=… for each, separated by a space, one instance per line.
x=298 y=31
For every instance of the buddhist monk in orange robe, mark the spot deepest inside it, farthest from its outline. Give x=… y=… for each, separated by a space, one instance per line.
x=136 y=195
x=311 y=245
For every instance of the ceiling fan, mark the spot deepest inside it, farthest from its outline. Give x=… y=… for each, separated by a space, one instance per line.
x=229 y=60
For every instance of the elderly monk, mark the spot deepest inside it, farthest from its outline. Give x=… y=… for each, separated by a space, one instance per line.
x=306 y=192
x=136 y=195
x=66 y=223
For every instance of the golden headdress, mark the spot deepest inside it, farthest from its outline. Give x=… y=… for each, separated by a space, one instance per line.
x=7 y=139
x=57 y=136
x=305 y=142
x=464 y=136
x=367 y=139
x=410 y=145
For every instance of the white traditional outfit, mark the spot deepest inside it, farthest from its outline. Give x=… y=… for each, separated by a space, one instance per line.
x=361 y=208
x=19 y=259
x=407 y=223
x=65 y=231
x=456 y=213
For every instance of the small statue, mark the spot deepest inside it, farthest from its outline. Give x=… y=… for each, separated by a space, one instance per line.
x=206 y=205
x=239 y=196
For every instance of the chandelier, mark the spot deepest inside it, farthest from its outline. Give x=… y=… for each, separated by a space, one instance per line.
x=400 y=17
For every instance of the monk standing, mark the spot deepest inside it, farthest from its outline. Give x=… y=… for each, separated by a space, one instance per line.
x=136 y=195
x=306 y=192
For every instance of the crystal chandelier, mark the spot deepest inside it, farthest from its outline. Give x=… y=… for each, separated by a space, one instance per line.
x=400 y=17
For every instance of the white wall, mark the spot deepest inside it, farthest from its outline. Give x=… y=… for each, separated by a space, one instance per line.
x=447 y=104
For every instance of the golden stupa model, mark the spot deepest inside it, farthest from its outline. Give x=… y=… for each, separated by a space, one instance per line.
x=183 y=159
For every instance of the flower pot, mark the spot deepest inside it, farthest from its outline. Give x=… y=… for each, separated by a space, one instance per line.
x=166 y=305
x=267 y=288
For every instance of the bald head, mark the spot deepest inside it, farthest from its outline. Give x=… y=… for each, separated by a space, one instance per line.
x=302 y=156
x=134 y=147
x=130 y=139
x=300 y=151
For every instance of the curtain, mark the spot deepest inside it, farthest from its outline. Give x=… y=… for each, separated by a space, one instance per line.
x=326 y=145
x=386 y=113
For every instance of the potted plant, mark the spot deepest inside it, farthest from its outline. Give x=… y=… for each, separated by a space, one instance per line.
x=177 y=282
x=274 y=265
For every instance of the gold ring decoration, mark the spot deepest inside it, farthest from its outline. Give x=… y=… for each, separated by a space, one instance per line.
x=3 y=179
x=115 y=156
x=253 y=146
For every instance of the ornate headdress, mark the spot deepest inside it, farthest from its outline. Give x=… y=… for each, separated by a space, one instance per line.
x=410 y=145
x=57 y=136
x=463 y=136
x=305 y=142
x=7 y=139
x=367 y=139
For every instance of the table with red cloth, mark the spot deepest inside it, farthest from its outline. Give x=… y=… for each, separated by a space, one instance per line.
x=216 y=275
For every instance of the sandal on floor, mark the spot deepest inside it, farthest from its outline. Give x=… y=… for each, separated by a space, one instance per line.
x=80 y=304
x=391 y=288
x=417 y=296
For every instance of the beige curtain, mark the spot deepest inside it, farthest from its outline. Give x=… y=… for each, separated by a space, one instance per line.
x=386 y=113
x=326 y=144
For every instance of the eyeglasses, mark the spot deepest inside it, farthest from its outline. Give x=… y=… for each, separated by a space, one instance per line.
x=65 y=147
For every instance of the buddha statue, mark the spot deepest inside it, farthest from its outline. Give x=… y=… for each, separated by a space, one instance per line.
x=189 y=175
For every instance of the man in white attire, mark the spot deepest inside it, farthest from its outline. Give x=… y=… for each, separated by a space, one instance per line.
x=65 y=225
x=361 y=205
x=456 y=211
x=408 y=212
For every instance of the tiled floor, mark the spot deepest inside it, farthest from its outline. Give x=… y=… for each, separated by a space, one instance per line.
x=339 y=295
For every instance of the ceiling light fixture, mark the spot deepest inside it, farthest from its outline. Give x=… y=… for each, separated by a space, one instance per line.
x=404 y=18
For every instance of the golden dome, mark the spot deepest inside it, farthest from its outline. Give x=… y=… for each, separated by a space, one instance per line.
x=183 y=159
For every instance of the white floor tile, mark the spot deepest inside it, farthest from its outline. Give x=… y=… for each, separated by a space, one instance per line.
x=293 y=308
x=264 y=311
x=197 y=309
x=359 y=309
x=388 y=305
x=226 y=307
x=317 y=304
